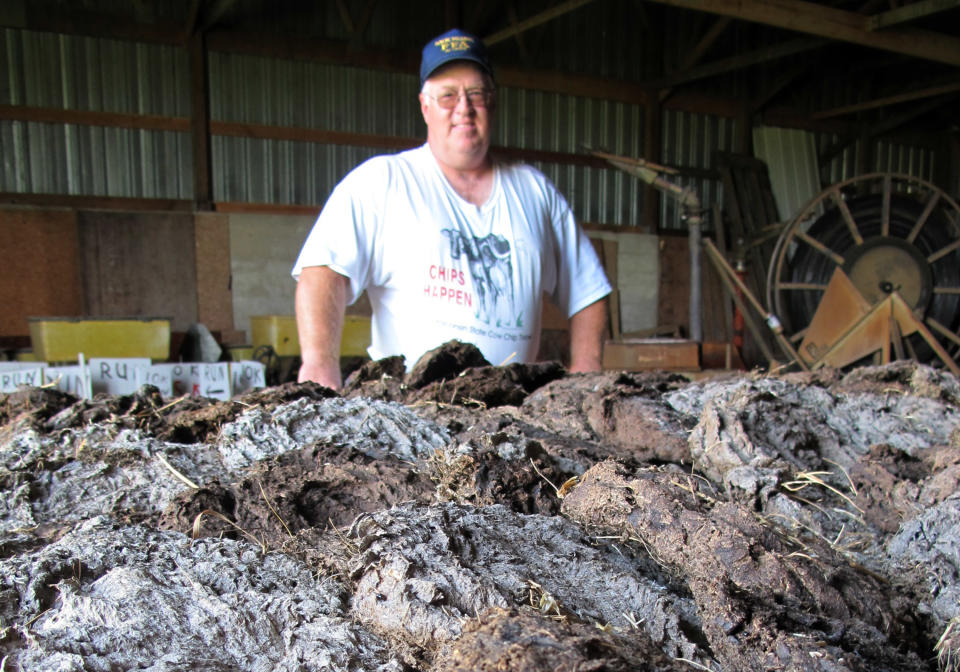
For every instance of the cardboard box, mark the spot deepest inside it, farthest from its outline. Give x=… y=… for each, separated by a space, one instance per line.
x=651 y=354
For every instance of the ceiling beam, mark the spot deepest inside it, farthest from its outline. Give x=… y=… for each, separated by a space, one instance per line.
x=831 y=23
x=744 y=60
x=705 y=42
x=914 y=10
x=536 y=20
x=889 y=100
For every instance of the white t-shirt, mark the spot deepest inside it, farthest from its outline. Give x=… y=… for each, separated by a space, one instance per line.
x=437 y=267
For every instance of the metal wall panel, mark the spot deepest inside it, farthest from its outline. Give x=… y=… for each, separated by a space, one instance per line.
x=85 y=73
x=280 y=171
x=95 y=161
x=575 y=125
x=689 y=141
x=80 y=73
x=887 y=157
x=791 y=158
x=73 y=72
x=336 y=98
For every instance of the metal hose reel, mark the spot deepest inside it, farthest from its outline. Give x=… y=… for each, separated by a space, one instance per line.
x=888 y=234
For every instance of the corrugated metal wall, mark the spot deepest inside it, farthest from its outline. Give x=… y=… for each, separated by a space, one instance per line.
x=689 y=141
x=78 y=73
x=886 y=157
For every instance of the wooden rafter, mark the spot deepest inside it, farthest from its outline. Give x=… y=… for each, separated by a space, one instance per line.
x=831 y=23
x=909 y=12
x=703 y=44
x=536 y=20
x=783 y=81
x=744 y=60
x=889 y=100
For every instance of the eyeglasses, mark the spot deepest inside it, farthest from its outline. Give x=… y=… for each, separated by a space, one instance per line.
x=475 y=97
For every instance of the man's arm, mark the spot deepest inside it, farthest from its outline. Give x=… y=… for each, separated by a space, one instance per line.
x=587 y=329
x=320 y=303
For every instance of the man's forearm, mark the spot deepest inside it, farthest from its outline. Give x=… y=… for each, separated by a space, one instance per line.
x=587 y=330
x=321 y=299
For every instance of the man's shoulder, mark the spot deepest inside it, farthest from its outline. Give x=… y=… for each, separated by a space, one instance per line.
x=522 y=172
x=386 y=165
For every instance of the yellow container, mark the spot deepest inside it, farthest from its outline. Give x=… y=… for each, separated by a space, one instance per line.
x=356 y=336
x=240 y=353
x=280 y=333
x=60 y=339
x=277 y=331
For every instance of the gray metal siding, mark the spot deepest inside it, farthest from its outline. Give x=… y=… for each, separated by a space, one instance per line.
x=887 y=157
x=689 y=141
x=84 y=73
x=80 y=73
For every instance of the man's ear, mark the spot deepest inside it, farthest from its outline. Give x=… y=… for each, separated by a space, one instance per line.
x=423 y=106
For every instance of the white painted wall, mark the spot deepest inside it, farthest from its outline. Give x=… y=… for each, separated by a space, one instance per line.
x=263 y=249
x=638 y=277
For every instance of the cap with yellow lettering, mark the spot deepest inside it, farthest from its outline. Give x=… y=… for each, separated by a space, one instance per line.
x=453 y=45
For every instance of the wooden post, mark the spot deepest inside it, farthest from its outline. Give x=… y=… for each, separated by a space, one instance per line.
x=200 y=123
x=651 y=152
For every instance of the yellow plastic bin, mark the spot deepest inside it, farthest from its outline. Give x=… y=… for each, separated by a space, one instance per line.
x=60 y=339
x=280 y=333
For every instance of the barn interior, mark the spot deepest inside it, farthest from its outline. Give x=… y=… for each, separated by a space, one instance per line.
x=167 y=159
x=766 y=475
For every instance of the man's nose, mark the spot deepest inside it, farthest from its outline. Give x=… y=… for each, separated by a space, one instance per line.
x=464 y=105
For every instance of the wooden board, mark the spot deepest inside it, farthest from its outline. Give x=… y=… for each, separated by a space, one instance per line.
x=652 y=354
x=214 y=294
x=139 y=264
x=41 y=272
x=673 y=304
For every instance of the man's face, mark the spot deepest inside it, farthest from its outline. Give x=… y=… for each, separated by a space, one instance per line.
x=459 y=136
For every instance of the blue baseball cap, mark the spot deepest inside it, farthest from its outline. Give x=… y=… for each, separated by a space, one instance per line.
x=453 y=45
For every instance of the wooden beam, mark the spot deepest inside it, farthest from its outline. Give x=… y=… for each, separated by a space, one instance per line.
x=217 y=12
x=345 y=17
x=46 y=115
x=96 y=202
x=94 y=24
x=747 y=59
x=535 y=20
x=892 y=123
x=889 y=100
x=909 y=12
x=831 y=23
x=200 y=123
x=705 y=42
x=267 y=132
x=784 y=80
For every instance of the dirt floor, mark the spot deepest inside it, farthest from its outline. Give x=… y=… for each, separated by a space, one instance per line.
x=470 y=517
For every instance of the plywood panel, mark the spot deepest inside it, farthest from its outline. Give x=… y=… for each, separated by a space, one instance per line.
x=674 y=296
x=139 y=264
x=214 y=293
x=41 y=272
x=673 y=307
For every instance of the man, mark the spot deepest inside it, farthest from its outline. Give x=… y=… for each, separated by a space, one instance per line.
x=448 y=242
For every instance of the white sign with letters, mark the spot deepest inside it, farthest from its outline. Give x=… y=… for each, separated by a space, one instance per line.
x=200 y=380
x=158 y=376
x=247 y=375
x=73 y=380
x=116 y=376
x=11 y=379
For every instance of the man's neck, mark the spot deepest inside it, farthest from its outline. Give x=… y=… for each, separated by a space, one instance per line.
x=474 y=185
